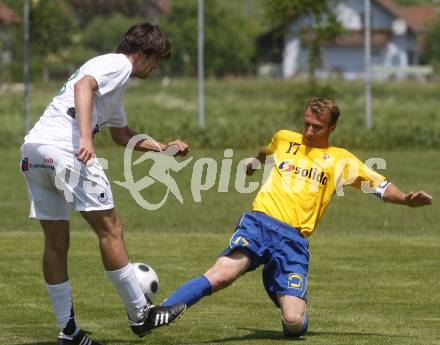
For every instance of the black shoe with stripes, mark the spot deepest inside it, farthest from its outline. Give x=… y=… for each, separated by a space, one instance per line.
x=157 y=316
x=80 y=339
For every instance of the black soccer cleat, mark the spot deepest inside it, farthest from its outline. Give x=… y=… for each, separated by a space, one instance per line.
x=155 y=317
x=80 y=339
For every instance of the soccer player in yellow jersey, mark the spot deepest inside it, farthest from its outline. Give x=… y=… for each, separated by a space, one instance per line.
x=307 y=171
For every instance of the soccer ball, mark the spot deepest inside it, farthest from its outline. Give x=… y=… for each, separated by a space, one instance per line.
x=147 y=278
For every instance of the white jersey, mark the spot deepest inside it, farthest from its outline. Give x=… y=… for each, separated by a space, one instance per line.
x=58 y=125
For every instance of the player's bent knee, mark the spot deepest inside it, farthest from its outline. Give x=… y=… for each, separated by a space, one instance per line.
x=220 y=276
x=57 y=245
x=219 y=279
x=296 y=328
x=293 y=317
x=59 y=252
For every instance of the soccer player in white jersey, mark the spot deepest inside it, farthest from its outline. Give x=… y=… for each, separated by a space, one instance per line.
x=61 y=174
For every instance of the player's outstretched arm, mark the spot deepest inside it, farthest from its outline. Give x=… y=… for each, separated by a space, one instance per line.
x=413 y=199
x=253 y=163
x=122 y=136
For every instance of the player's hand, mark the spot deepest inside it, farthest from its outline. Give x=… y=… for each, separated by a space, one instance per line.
x=177 y=148
x=85 y=152
x=417 y=199
x=251 y=165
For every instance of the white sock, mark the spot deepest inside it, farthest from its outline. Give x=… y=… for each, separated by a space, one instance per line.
x=129 y=290
x=60 y=296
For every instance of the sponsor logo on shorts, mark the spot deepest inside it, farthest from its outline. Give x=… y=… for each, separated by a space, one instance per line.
x=25 y=164
x=41 y=166
x=47 y=161
x=296 y=281
x=103 y=197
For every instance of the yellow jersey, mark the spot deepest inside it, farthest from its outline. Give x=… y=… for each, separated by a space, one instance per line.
x=303 y=180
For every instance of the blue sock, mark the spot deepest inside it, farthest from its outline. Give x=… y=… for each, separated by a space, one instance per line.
x=190 y=293
x=289 y=334
x=306 y=324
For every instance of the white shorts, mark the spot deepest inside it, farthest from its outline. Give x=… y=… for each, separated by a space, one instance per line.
x=57 y=182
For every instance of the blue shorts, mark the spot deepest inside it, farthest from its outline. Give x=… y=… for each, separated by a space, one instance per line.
x=279 y=247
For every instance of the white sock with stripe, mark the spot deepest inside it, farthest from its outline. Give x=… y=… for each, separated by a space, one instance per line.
x=60 y=296
x=129 y=290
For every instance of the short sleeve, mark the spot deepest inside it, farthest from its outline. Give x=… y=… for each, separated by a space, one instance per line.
x=110 y=72
x=356 y=173
x=272 y=146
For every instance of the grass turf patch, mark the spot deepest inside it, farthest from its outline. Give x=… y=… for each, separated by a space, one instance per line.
x=363 y=289
x=245 y=113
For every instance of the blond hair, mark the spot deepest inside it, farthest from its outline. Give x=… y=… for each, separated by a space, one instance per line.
x=322 y=105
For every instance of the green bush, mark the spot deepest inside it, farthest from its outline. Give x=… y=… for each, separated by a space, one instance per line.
x=431 y=51
x=103 y=34
x=15 y=71
x=229 y=40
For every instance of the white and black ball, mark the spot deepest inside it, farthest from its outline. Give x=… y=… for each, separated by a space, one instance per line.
x=147 y=278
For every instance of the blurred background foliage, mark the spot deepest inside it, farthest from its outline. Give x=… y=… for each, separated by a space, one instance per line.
x=245 y=113
x=65 y=33
x=229 y=39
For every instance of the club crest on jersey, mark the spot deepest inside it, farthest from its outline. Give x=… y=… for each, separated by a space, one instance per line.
x=326 y=157
x=295 y=281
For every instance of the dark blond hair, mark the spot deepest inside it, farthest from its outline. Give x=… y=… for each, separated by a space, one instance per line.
x=322 y=105
x=145 y=38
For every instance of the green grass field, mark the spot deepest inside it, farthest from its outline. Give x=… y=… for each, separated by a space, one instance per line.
x=374 y=275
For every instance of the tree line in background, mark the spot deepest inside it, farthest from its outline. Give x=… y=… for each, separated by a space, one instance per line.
x=65 y=33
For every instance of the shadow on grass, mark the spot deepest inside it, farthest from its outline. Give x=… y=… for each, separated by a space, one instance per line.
x=118 y=341
x=367 y=334
x=44 y=343
x=258 y=334
x=103 y=341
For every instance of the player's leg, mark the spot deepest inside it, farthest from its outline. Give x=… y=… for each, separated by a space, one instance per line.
x=108 y=227
x=294 y=316
x=285 y=273
x=115 y=259
x=222 y=274
x=56 y=246
x=227 y=269
x=49 y=205
x=244 y=253
x=142 y=318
